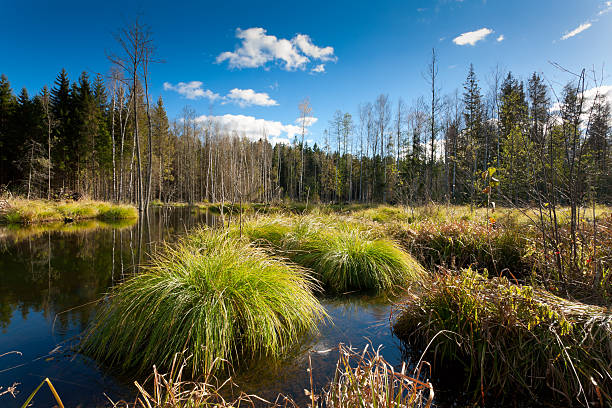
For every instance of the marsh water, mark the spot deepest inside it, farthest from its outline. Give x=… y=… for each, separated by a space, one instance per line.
x=52 y=274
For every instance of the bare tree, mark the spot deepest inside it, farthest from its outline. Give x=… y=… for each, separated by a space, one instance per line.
x=383 y=115
x=136 y=44
x=46 y=105
x=431 y=76
x=305 y=119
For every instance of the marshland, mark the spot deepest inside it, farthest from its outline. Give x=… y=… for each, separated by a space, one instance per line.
x=213 y=209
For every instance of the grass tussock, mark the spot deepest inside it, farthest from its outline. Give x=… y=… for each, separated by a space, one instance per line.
x=21 y=211
x=362 y=379
x=510 y=338
x=343 y=255
x=214 y=297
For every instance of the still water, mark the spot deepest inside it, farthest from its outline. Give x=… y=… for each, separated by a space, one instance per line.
x=51 y=275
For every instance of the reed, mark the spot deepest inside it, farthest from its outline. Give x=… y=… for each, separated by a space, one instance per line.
x=218 y=300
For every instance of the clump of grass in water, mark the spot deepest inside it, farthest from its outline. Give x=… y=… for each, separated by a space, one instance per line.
x=512 y=338
x=344 y=255
x=221 y=299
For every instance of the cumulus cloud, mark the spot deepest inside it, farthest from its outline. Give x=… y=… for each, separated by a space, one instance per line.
x=241 y=97
x=472 y=37
x=304 y=43
x=308 y=121
x=319 y=68
x=258 y=48
x=248 y=97
x=191 y=90
x=254 y=128
x=501 y=38
x=576 y=30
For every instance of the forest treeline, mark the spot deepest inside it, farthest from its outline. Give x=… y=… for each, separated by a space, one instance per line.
x=518 y=142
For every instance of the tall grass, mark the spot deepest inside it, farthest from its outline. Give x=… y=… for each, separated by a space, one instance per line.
x=343 y=255
x=218 y=300
x=511 y=339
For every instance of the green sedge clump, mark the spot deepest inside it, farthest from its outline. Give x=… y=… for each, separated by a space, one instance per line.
x=212 y=297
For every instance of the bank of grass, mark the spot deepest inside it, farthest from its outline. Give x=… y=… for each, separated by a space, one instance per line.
x=219 y=299
x=22 y=211
x=344 y=255
x=362 y=379
x=512 y=339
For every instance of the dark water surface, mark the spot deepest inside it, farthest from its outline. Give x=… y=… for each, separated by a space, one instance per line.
x=51 y=275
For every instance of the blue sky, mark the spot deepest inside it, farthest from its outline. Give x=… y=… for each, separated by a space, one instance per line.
x=366 y=48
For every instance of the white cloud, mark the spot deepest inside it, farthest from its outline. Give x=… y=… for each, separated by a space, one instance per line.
x=241 y=97
x=258 y=48
x=501 y=38
x=576 y=31
x=191 y=90
x=319 y=68
x=472 y=37
x=308 y=48
x=607 y=9
x=248 y=97
x=254 y=128
x=309 y=121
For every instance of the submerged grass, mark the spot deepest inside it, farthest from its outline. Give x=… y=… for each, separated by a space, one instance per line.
x=343 y=255
x=214 y=297
x=510 y=338
x=22 y=211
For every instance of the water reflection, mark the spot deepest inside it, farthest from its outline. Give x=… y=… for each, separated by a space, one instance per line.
x=52 y=274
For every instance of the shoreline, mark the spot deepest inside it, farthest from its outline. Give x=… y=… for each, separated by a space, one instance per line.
x=17 y=211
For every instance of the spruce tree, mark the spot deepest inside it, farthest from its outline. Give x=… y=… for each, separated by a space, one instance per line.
x=473 y=116
x=62 y=112
x=7 y=141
